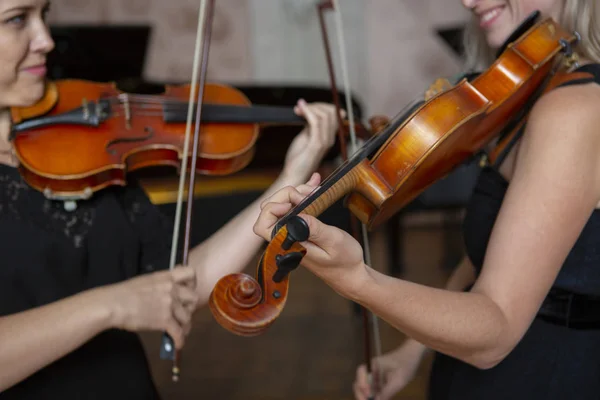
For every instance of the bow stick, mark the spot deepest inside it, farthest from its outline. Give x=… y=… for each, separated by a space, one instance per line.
x=205 y=17
x=367 y=315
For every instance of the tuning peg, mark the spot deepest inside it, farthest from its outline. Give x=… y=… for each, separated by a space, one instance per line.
x=286 y=264
x=297 y=231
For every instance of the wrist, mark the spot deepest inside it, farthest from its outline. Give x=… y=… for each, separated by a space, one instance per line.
x=287 y=178
x=415 y=346
x=358 y=283
x=102 y=309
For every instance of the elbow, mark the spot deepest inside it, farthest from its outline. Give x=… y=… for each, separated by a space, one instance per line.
x=490 y=358
x=487 y=361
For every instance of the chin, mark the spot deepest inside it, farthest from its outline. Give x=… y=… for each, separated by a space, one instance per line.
x=30 y=95
x=495 y=39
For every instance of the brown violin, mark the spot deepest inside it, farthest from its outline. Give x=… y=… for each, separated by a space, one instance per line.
x=84 y=136
x=418 y=147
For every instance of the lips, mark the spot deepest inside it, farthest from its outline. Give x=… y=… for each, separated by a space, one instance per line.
x=38 y=70
x=487 y=17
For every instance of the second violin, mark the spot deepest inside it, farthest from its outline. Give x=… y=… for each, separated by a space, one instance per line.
x=84 y=136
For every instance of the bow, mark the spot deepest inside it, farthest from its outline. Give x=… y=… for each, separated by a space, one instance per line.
x=205 y=17
x=367 y=315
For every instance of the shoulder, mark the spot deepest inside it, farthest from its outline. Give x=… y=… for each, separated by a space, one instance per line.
x=574 y=109
x=562 y=137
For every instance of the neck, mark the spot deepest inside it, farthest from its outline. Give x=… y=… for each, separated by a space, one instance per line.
x=5 y=123
x=6 y=152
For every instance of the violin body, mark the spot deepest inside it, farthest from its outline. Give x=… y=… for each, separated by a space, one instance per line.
x=73 y=160
x=417 y=148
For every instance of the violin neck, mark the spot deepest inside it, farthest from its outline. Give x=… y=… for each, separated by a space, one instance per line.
x=348 y=176
x=232 y=114
x=341 y=182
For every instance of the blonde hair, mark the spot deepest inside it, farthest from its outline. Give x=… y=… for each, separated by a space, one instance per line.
x=582 y=16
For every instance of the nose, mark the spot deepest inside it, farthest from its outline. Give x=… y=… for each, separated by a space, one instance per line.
x=42 y=42
x=469 y=3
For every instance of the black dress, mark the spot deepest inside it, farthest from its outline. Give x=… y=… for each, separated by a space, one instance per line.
x=552 y=361
x=49 y=254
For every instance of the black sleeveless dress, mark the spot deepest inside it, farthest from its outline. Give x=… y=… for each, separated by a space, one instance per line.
x=49 y=254
x=552 y=361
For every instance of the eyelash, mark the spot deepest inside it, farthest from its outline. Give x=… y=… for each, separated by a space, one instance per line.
x=21 y=18
x=17 y=19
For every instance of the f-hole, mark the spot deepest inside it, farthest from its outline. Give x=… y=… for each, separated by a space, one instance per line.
x=149 y=134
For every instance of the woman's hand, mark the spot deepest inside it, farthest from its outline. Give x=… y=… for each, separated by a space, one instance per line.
x=332 y=254
x=161 y=301
x=393 y=371
x=310 y=146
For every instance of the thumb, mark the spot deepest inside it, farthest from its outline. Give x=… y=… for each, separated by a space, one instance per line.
x=322 y=239
x=314 y=180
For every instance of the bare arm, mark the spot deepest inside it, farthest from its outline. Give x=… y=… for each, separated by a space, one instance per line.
x=32 y=339
x=462 y=276
x=553 y=191
x=35 y=338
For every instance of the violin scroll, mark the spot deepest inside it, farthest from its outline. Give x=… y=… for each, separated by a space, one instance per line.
x=246 y=306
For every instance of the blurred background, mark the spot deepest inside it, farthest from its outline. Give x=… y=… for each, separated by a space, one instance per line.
x=273 y=51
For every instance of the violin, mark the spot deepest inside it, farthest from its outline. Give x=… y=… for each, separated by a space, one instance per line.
x=84 y=136
x=422 y=144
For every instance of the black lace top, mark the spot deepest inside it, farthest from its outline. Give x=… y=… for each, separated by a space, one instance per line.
x=49 y=253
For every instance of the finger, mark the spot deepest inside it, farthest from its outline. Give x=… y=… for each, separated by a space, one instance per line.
x=323 y=129
x=305 y=111
x=268 y=217
x=362 y=381
x=391 y=387
x=185 y=295
x=388 y=391
x=321 y=236
x=185 y=275
x=297 y=109
x=181 y=314
x=315 y=180
x=288 y=194
x=174 y=330
x=187 y=329
x=358 y=393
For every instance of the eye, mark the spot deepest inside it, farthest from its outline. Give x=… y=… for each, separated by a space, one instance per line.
x=17 y=19
x=45 y=12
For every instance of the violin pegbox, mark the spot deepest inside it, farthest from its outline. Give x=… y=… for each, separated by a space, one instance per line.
x=296 y=230
x=246 y=306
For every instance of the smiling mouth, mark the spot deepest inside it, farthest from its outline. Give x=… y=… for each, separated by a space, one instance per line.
x=488 y=17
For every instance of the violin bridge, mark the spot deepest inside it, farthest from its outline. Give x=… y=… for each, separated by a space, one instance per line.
x=84 y=107
x=127 y=111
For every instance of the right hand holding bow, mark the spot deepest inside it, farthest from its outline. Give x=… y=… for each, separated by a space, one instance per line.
x=160 y=301
x=393 y=370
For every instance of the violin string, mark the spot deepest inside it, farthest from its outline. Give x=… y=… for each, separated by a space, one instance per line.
x=348 y=97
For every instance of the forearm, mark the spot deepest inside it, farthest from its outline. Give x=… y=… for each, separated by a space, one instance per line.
x=462 y=276
x=234 y=246
x=468 y=326
x=32 y=339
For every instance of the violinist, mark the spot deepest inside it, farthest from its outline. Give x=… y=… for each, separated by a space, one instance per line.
x=520 y=316
x=77 y=286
